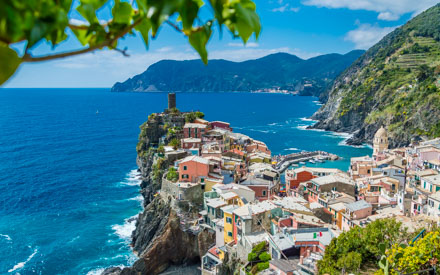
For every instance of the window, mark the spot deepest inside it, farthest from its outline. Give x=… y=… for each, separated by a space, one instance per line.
x=264 y=193
x=228 y=220
x=185 y=168
x=185 y=176
x=229 y=233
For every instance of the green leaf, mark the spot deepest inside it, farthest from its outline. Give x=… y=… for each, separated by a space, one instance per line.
x=159 y=11
x=218 y=6
x=95 y=3
x=248 y=21
x=198 y=40
x=144 y=28
x=188 y=12
x=82 y=36
x=87 y=11
x=9 y=63
x=122 y=12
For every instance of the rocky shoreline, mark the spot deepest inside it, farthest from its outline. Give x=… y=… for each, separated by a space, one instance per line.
x=158 y=239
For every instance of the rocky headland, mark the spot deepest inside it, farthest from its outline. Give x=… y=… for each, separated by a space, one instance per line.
x=160 y=240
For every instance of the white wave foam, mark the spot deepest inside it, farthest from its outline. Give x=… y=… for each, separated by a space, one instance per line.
x=98 y=271
x=347 y=136
x=133 y=178
x=6 y=237
x=317 y=102
x=272 y=124
x=138 y=198
x=262 y=131
x=124 y=230
x=292 y=149
x=307 y=119
x=22 y=264
x=304 y=127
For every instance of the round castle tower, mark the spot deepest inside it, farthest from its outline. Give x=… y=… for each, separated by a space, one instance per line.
x=380 y=141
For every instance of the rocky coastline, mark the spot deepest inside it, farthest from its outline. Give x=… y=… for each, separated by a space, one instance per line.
x=158 y=239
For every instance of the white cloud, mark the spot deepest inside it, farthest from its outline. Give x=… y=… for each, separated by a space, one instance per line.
x=387 y=9
x=248 y=45
x=284 y=8
x=367 y=35
x=164 y=49
x=388 y=16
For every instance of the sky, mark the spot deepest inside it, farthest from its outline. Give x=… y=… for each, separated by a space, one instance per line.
x=306 y=28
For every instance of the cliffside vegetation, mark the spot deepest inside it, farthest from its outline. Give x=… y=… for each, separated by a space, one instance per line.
x=279 y=71
x=384 y=246
x=395 y=83
x=358 y=249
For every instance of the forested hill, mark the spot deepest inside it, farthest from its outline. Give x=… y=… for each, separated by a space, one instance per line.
x=280 y=71
x=395 y=84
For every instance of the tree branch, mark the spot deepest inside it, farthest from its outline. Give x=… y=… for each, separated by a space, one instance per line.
x=174 y=26
x=29 y=58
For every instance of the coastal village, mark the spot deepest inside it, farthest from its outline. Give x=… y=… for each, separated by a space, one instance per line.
x=275 y=215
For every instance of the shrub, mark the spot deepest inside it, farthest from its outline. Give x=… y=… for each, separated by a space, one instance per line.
x=199 y=114
x=175 y=143
x=252 y=257
x=265 y=257
x=262 y=266
x=172 y=174
x=259 y=247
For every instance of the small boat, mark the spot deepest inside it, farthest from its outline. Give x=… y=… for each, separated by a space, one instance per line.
x=318 y=160
x=302 y=162
x=311 y=161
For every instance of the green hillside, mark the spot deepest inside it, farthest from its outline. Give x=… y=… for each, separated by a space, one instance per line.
x=395 y=83
x=275 y=72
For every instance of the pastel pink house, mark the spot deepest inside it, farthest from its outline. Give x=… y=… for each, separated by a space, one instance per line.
x=192 y=168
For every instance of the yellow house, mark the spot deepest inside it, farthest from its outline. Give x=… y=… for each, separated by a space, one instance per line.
x=210 y=182
x=228 y=222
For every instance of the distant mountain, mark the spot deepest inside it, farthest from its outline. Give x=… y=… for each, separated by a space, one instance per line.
x=395 y=84
x=280 y=71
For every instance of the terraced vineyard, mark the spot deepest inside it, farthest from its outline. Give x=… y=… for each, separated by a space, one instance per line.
x=413 y=60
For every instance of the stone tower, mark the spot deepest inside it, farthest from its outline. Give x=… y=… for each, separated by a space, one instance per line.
x=380 y=141
x=171 y=101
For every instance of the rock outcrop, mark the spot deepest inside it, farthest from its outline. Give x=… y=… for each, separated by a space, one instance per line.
x=159 y=240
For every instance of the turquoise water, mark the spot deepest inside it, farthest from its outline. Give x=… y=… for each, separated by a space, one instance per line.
x=68 y=184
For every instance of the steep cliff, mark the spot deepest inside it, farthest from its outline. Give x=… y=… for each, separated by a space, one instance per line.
x=395 y=84
x=159 y=239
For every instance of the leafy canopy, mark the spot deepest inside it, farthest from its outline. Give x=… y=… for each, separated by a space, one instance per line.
x=47 y=20
x=359 y=248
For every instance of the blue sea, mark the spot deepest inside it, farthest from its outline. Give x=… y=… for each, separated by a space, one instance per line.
x=68 y=180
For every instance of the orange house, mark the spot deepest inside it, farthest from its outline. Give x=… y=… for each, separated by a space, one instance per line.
x=304 y=174
x=295 y=178
x=192 y=168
